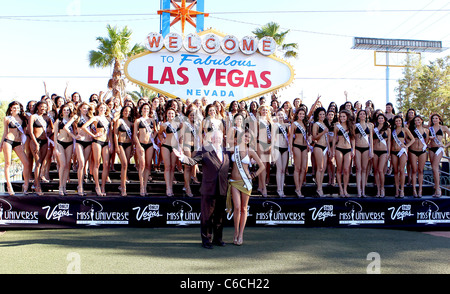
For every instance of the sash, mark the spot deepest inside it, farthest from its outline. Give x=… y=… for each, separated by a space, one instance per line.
x=237 y=158
x=397 y=140
x=105 y=123
x=326 y=136
x=433 y=134
x=377 y=132
x=174 y=131
x=126 y=127
x=303 y=132
x=253 y=117
x=44 y=127
x=344 y=133
x=150 y=131
x=230 y=119
x=65 y=121
x=283 y=130
x=267 y=129
x=363 y=132
x=194 y=133
x=419 y=135
x=19 y=127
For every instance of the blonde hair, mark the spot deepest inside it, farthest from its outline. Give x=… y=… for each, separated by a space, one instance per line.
x=268 y=115
x=90 y=112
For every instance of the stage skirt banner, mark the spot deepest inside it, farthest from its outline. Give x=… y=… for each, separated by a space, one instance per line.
x=28 y=212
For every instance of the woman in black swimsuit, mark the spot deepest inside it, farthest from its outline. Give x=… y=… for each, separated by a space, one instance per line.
x=190 y=140
x=418 y=152
x=123 y=141
x=280 y=149
x=264 y=146
x=101 y=150
x=330 y=121
x=170 y=130
x=144 y=133
x=14 y=132
x=298 y=139
x=39 y=140
x=321 y=146
x=64 y=146
x=401 y=140
x=436 y=148
x=343 y=149
x=83 y=141
x=381 y=150
x=363 y=150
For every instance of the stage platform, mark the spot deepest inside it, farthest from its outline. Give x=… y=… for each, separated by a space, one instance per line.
x=53 y=211
x=157 y=210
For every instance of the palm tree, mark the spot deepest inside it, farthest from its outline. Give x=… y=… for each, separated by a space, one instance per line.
x=271 y=29
x=113 y=50
x=143 y=92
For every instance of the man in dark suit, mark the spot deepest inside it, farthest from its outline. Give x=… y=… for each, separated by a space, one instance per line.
x=215 y=167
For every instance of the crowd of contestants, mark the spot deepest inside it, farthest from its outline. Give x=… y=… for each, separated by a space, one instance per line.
x=80 y=135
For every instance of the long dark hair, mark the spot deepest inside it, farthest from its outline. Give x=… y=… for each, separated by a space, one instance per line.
x=132 y=114
x=305 y=120
x=316 y=113
x=60 y=113
x=350 y=123
x=385 y=125
x=21 y=113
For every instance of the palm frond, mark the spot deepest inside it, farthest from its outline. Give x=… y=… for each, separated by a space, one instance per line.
x=271 y=29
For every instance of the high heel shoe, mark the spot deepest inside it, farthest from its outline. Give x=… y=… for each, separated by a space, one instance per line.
x=10 y=190
x=123 y=191
x=264 y=194
x=97 y=192
x=61 y=192
x=80 y=192
x=239 y=241
x=280 y=193
x=38 y=191
x=299 y=194
x=24 y=190
x=188 y=194
x=437 y=194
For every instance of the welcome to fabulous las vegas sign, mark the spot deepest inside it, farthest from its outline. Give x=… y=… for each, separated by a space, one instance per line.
x=209 y=64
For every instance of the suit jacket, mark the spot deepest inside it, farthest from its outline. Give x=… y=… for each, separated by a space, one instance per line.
x=214 y=172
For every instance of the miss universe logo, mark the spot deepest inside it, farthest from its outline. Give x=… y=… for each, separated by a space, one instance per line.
x=356 y=215
x=10 y=216
x=97 y=216
x=275 y=216
x=183 y=215
x=432 y=214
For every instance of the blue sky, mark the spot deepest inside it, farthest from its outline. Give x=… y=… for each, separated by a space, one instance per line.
x=49 y=41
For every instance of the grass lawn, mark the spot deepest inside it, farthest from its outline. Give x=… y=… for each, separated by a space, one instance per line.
x=268 y=250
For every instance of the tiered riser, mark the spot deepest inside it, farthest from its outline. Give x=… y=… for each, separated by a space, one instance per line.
x=157 y=186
